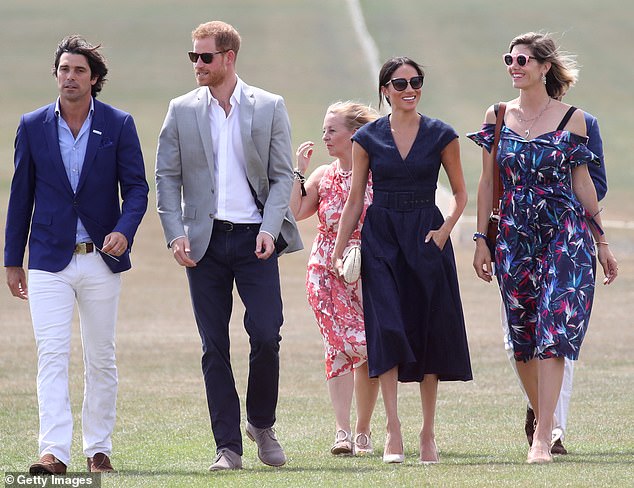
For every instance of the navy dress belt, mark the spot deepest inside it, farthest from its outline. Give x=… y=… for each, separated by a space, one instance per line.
x=404 y=200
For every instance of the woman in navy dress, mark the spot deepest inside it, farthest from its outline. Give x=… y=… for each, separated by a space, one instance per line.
x=415 y=328
x=545 y=255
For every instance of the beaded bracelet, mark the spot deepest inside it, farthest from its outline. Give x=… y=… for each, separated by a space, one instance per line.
x=480 y=235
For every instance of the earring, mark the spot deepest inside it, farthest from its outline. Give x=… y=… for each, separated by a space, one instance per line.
x=544 y=79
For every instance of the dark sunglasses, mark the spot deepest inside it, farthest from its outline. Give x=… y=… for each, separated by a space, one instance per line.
x=400 y=84
x=206 y=57
x=522 y=59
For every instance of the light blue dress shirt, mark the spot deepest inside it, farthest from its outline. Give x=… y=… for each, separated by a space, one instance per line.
x=73 y=153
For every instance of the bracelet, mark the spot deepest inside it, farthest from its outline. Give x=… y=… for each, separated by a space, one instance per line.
x=302 y=179
x=480 y=235
x=298 y=176
x=603 y=243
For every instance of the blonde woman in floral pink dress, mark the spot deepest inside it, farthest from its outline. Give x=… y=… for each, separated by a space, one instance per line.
x=337 y=305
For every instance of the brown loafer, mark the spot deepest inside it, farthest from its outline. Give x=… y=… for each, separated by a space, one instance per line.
x=48 y=464
x=99 y=463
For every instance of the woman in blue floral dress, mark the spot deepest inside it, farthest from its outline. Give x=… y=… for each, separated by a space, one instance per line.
x=545 y=257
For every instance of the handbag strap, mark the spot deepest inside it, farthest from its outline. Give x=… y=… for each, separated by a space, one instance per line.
x=499 y=108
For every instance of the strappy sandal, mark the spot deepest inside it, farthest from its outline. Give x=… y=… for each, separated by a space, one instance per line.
x=363 y=444
x=343 y=443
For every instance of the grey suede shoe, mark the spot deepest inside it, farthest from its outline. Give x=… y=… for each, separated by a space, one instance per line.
x=226 y=459
x=270 y=451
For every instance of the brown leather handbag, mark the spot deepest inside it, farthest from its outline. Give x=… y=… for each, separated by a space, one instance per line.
x=494 y=219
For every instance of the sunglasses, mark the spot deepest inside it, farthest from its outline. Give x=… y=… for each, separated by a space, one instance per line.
x=400 y=84
x=522 y=59
x=206 y=57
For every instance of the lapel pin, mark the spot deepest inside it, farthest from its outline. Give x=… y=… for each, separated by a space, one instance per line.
x=98 y=132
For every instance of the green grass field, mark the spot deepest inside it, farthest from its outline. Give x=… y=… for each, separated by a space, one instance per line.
x=307 y=51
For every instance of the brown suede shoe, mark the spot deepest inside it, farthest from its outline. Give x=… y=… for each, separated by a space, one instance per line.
x=99 y=463
x=48 y=464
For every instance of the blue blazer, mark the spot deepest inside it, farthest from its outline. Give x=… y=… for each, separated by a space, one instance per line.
x=43 y=204
x=595 y=144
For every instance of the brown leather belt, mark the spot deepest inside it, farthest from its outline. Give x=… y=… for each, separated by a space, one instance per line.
x=84 y=248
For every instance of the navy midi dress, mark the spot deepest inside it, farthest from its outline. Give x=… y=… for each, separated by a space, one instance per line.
x=411 y=299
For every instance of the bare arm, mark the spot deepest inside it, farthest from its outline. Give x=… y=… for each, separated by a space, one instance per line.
x=585 y=192
x=354 y=205
x=303 y=206
x=482 y=256
x=450 y=157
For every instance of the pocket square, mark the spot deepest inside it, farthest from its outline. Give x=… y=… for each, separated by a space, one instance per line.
x=105 y=142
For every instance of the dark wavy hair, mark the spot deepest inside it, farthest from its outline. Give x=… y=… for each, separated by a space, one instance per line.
x=388 y=69
x=75 y=44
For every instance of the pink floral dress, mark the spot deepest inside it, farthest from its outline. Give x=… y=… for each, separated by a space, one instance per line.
x=337 y=305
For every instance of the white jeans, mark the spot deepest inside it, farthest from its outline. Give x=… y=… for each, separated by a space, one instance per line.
x=88 y=281
x=563 y=403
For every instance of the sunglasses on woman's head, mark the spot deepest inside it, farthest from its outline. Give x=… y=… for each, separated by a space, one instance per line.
x=522 y=59
x=400 y=84
x=206 y=57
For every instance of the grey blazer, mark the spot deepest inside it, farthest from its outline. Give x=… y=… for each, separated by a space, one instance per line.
x=185 y=186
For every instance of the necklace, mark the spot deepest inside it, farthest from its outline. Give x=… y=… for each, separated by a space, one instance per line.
x=534 y=119
x=343 y=173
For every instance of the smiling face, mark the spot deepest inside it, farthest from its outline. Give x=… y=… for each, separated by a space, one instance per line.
x=214 y=73
x=408 y=98
x=531 y=73
x=336 y=136
x=74 y=78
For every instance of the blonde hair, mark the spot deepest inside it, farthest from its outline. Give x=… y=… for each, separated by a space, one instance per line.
x=225 y=35
x=355 y=115
x=563 y=72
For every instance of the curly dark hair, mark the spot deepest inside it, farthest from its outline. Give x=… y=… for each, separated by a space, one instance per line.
x=75 y=44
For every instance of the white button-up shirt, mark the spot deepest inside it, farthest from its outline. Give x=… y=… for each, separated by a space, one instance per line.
x=235 y=199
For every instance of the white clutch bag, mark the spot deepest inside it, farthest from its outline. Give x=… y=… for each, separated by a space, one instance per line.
x=352 y=264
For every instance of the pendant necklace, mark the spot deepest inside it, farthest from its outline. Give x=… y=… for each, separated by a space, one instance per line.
x=534 y=119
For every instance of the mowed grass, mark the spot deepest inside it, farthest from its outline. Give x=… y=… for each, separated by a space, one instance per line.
x=307 y=52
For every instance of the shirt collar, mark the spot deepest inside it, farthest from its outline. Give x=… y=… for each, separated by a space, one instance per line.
x=90 y=112
x=235 y=97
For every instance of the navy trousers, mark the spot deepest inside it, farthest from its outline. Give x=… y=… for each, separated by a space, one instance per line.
x=231 y=258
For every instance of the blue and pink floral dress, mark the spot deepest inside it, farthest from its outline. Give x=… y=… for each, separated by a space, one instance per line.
x=545 y=257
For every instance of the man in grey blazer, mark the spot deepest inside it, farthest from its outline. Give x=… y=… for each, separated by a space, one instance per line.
x=223 y=182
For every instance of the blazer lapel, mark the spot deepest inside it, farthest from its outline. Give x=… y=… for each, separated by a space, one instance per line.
x=52 y=141
x=247 y=108
x=202 y=120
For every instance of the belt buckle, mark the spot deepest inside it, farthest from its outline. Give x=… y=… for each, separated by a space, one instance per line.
x=404 y=200
x=81 y=248
x=227 y=225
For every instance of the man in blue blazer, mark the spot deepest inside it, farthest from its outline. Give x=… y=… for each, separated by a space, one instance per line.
x=74 y=159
